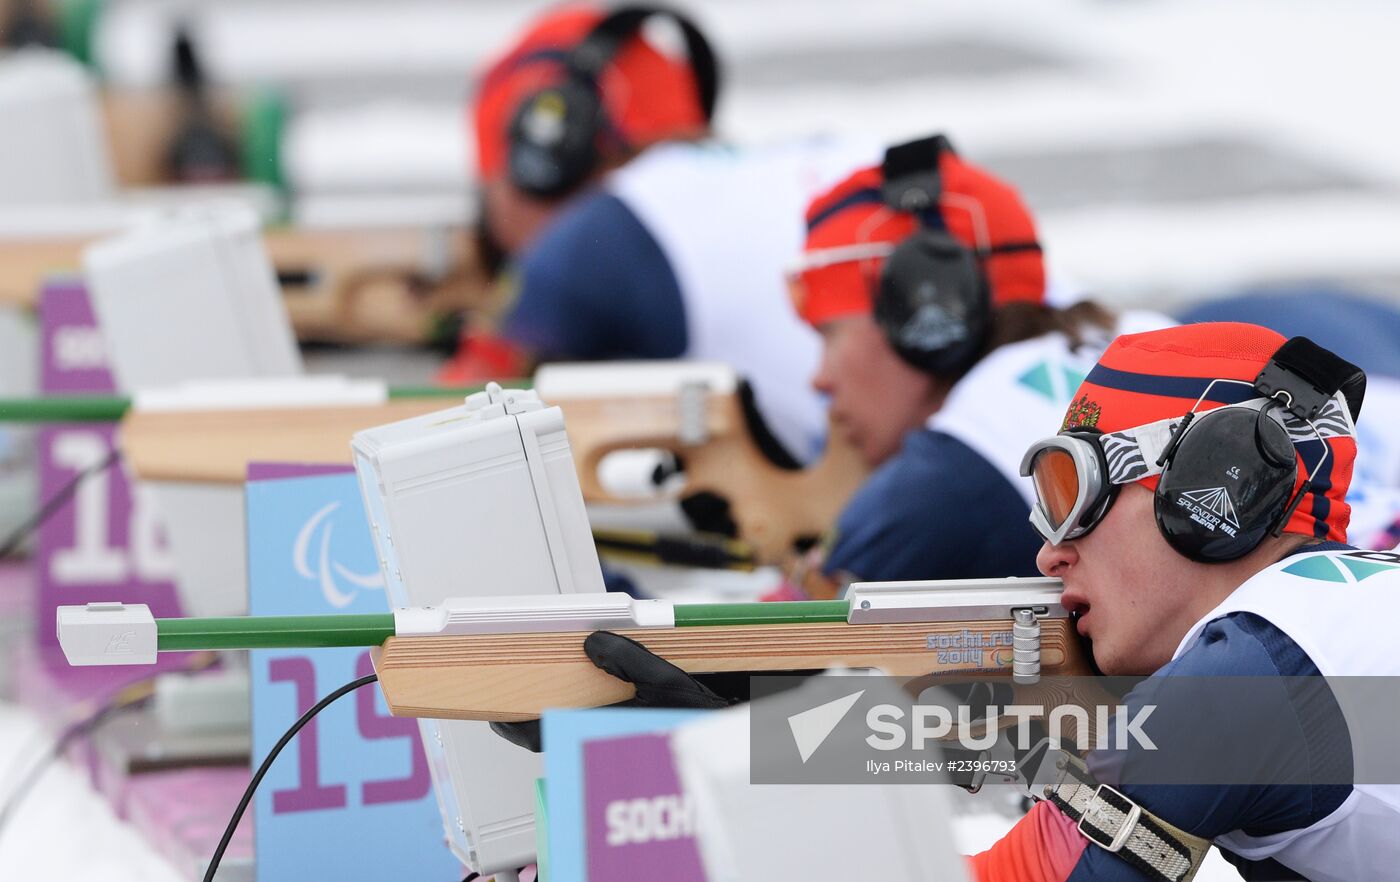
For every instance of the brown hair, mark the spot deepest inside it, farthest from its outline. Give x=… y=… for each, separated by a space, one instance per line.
x=1016 y=322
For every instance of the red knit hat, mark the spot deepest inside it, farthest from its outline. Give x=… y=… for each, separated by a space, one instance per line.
x=1142 y=378
x=854 y=213
x=648 y=96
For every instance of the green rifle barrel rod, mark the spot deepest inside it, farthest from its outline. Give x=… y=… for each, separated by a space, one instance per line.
x=111 y=408
x=273 y=632
x=308 y=632
x=787 y=612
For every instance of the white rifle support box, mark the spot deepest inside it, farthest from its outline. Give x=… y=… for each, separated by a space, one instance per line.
x=190 y=295
x=478 y=500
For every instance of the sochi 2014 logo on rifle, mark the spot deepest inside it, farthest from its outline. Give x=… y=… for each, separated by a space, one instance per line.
x=1212 y=508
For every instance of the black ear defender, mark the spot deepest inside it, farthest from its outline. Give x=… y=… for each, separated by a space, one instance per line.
x=1226 y=482
x=556 y=133
x=1228 y=474
x=933 y=303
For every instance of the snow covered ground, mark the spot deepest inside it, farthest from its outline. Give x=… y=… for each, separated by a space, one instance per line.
x=64 y=829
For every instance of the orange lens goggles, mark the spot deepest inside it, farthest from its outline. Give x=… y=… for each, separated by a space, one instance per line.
x=1056 y=484
x=1070 y=474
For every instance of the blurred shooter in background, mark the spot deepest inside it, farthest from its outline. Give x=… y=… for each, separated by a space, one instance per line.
x=628 y=233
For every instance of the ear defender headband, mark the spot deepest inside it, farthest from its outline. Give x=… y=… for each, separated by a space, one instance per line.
x=933 y=301
x=555 y=134
x=1227 y=475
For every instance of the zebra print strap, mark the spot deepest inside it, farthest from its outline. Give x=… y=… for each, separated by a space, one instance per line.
x=1332 y=421
x=1132 y=454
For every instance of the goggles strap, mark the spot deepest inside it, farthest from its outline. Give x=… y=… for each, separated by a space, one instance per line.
x=822 y=258
x=1133 y=454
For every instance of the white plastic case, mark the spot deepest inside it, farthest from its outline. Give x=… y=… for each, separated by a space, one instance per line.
x=190 y=295
x=478 y=500
x=53 y=149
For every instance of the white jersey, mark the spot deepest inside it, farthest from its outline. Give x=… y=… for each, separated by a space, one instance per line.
x=1328 y=603
x=1374 y=494
x=730 y=222
x=1018 y=394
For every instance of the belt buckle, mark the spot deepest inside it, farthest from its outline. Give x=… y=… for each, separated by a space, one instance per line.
x=1095 y=810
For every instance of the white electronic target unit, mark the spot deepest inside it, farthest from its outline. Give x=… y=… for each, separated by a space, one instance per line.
x=191 y=295
x=188 y=302
x=479 y=500
x=52 y=145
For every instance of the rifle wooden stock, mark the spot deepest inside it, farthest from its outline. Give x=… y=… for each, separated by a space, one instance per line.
x=512 y=677
x=215 y=446
x=358 y=286
x=771 y=506
x=339 y=285
x=141 y=123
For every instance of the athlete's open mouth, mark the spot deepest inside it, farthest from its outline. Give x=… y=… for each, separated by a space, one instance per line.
x=1079 y=623
x=1077 y=608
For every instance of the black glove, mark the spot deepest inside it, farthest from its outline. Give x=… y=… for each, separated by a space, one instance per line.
x=659 y=684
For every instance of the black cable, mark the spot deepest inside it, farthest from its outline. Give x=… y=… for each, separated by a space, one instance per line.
x=267 y=764
x=55 y=502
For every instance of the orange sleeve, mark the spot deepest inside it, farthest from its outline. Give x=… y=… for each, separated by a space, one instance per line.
x=481 y=357
x=1044 y=846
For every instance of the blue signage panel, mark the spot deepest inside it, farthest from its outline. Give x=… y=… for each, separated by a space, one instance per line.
x=351 y=797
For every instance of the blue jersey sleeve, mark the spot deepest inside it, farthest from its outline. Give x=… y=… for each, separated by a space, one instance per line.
x=596 y=285
x=937 y=510
x=1308 y=736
